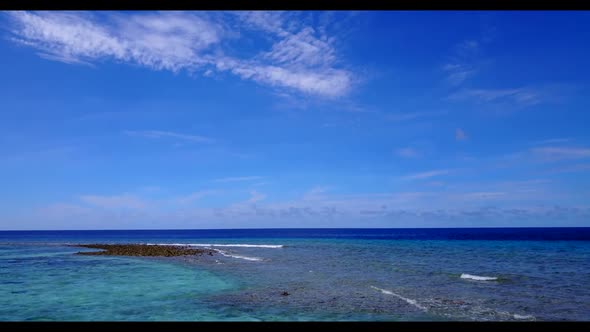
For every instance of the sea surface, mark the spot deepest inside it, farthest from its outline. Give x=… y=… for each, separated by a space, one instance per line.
x=484 y=274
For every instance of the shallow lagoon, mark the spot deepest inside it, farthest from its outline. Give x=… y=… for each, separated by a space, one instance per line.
x=377 y=275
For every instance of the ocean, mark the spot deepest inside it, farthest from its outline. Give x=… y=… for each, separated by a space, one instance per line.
x=483 y=274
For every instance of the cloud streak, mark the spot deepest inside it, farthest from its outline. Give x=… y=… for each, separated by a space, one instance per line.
x=426 y=175
x=405 y=116
x=191 y=198
x=301 y=58
x=462 y=64
x=477 y=204
x=170 y=41
x=552 y=141
x=519 y=96
x=458 y=73
x=237 y=179
x=407 y=153
x=561 y=153
x=168 y=134
x=256 y=197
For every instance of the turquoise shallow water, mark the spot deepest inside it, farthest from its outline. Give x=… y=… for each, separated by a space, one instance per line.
x=327 y=278
x=50 y=283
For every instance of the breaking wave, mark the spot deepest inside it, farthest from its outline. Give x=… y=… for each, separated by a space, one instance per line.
x=480 y=278
x=409 y=301
x=272 y=246
x=226 y=254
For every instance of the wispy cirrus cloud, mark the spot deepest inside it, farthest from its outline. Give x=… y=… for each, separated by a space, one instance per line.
x=338 y=214
x=302 y=58
x=237 y=179
x=405 y=116
x=426 y=175
x=407 y=152
x=327 y=82
x=518 y=96
x=457 y=205
x=540 y=159
x=195 y=196
x=467 y=60
x=463 y=64
x=458 y=73
x=302 y=49
x=561 y=153
x=255 y=196
x=315 y=193
x=569 y=169
x=170 y=41
x=267 y=21
x=40 y=155
x=552 y=141
x=168 y=134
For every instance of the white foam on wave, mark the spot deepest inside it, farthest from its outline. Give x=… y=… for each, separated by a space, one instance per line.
x=410 y=301
x=223 y=253
x=517 y=316
x=226 y=254
x=272 y=246
x=474 y=277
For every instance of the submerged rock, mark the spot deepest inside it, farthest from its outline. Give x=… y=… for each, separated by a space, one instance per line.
x=141 y=250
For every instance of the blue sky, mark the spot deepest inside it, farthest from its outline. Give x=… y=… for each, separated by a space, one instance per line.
x=294 y=119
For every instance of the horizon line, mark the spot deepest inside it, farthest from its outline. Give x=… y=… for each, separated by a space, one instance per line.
x=278 y=228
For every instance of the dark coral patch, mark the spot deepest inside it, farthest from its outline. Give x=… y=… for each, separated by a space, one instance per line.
x=141 y=250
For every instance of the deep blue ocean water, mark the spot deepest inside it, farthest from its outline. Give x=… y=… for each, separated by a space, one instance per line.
x=330 y=274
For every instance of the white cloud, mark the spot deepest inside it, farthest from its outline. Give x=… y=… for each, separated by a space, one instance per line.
x=458 y=73
x=150 y=189
x=164 y=134
x=552 y=141
x=412 y=115
x=560 y=153
x=407 y=152
x=238 y=179
x=194 y=196
x=40 y=155
x=466 y=61
x=482 y=214
x=315 y=193
x=570 y=169
x=463 y=62
x=267 y=21
x=328 y=82
x=302 y=49
x=520 y=96
x=256 y=197
x=170 y=41
x=426 y=175
x=535 y=198
x=300 y=59
x=482 y=195
x=537 y=157
x=467 y=47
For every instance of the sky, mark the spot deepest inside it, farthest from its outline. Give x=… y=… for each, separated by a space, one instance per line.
x=188 y=120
